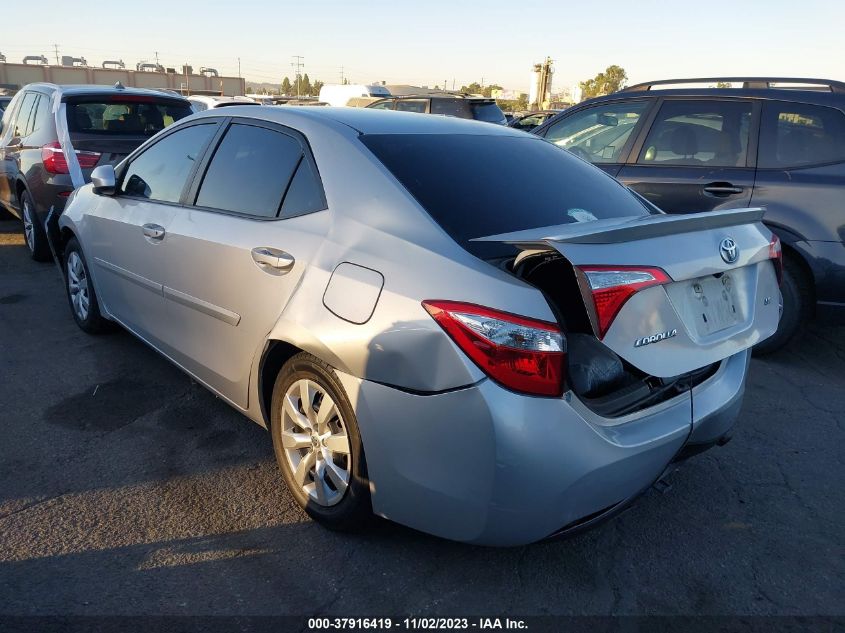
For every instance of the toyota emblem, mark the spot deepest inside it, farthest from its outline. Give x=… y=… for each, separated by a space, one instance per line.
x=729 y=250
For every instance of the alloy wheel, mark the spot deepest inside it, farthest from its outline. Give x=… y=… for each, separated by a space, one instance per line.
x=77 y=283
x=28 y=226
x=315 y=442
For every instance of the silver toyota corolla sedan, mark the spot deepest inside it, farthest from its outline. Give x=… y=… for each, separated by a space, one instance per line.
x=453 y=325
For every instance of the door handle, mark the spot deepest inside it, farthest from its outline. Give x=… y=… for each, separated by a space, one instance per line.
x=153 y=231
x=722 y=188
x=272 y=260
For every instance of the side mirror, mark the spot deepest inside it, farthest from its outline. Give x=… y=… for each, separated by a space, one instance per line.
x=104 y=180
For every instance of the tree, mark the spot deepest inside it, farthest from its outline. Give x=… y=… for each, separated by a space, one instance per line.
x=286 y=86
x=723 y=84
x=304 y=85
x=315 y=89
x=612 y=79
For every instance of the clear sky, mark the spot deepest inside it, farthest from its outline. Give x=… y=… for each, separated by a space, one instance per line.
x=429 y=41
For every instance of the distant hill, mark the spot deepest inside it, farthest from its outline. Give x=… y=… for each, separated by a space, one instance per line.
x=255 y=87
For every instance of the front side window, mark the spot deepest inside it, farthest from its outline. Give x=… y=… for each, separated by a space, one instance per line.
x=699 y=134
x=796 y=135
x=161 y=172
x=142 y=117
x=411 y=105
x=250 y=171
x=382 y=105
x=599 y=133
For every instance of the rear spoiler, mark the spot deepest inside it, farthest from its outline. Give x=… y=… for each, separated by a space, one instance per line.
x=626 y=229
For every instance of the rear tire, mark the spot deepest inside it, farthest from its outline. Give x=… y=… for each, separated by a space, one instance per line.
x=33 y=231
x=80 y=291
x=797 y=307
x=318 y=446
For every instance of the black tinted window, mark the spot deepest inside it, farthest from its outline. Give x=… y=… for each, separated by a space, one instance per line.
x=699 y=133
x=24 y=112
x=130 y=117
x=305 y=193
x=475 y=186
x=160 y=173
x=250 y=171
x=451 y=107
x=42 y=113
x=794 y=134
x=411 y=105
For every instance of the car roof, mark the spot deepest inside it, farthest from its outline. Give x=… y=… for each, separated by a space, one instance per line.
x=74 y=90
x=368 y=121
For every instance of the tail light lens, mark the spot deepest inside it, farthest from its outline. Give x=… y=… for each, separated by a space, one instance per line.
x=54 y=159
x=612 y=286
x=521 y=354
x=776 y=254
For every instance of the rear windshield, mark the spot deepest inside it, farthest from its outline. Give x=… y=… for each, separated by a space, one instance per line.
x=124 y=117
x=475 y=185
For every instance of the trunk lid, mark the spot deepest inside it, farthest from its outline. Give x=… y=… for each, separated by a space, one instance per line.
x=113 y=149
x=711 y=307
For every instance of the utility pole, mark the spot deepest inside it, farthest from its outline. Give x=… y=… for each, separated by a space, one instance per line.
x=341 y=75
x=56 y=48
x=298 y=66
x=157 y=64
x=239 y=67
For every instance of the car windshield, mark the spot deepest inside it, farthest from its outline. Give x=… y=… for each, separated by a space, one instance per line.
x=478 y=185
x=128 y=117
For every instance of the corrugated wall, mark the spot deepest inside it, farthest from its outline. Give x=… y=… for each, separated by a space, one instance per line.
x=18 y=75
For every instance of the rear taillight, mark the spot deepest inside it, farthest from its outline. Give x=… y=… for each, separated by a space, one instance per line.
x=776 y=255
x=612 y=286
x=521 y=354
x=54 y=159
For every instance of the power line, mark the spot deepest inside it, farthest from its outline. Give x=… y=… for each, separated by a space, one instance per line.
x=56 y=48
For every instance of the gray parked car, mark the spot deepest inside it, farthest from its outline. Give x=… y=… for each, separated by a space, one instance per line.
x=320 y=270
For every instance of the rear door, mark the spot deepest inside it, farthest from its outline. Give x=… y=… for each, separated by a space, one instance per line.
x=236 y=255
x=125 y=235
x=671 y=294
x=602 y=133
x=697 y=155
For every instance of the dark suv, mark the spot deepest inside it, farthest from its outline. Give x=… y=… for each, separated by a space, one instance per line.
x=461 y=106
x=105 y=124
x=767 y=142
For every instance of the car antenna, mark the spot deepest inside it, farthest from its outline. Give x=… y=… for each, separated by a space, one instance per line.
x=119 y=85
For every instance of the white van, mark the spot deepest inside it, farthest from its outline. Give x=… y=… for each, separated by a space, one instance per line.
x=340 y=94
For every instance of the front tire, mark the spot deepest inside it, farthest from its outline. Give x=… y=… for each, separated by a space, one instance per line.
x=797 y=307
x=80 y=291
x=318 y=446
x=33 y=231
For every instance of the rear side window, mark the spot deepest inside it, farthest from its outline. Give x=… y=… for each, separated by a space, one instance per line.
x=305 y=193
x=141 y=117
x=24 y=114
x=796 y=135
x=699 y=134
x=382 y=105
x=451 y=107
x=250 y=171
x=161 y=172
x=42 y=113
x=411 y=105
x=466 y=183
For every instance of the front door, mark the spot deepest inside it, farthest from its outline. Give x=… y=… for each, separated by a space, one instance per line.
x=126 y=234
x=698 y=155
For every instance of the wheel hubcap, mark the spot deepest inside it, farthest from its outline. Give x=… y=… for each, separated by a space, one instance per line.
x=28 y=228
x=77 y=284
x=315 y=442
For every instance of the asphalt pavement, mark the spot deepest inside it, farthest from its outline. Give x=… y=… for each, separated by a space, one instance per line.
x=125 y=488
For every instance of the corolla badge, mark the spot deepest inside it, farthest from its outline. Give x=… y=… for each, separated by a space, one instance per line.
x=729 y=250
x=655 y=338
